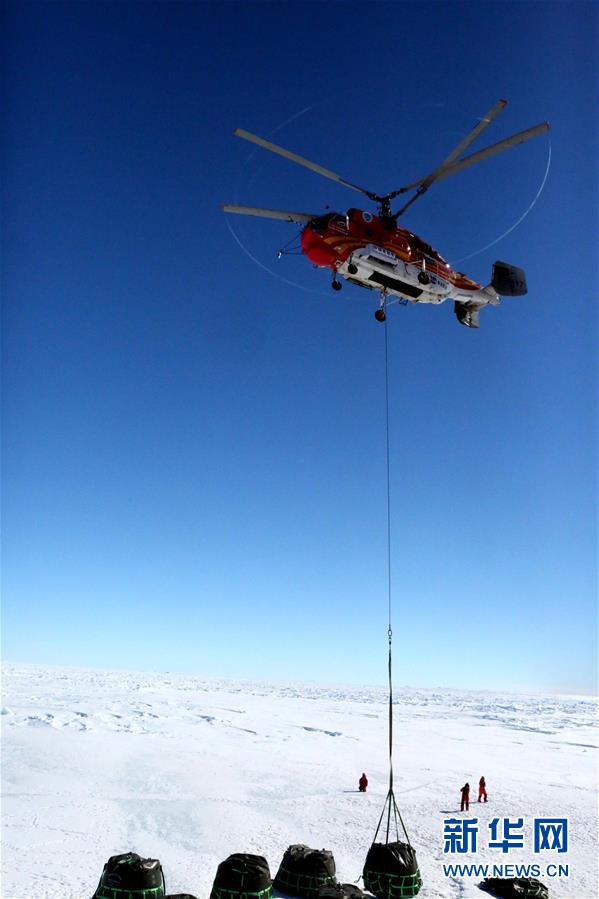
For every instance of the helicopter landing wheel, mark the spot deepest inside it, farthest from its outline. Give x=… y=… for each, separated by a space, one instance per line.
x=336 y=285
x=352 y=269
x=381 y=312
x=424 y=278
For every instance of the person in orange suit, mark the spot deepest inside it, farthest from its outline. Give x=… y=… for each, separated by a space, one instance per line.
x=363 y=783
x=482 y=789
x=465 y=791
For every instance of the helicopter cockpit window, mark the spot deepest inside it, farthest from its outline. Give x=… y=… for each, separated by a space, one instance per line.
x=339 y=221
x=425 y=248
x=436 y=255
x=320 y=223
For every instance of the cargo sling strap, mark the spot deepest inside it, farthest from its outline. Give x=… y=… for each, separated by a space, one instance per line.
x=390 y=806
x=385 y=883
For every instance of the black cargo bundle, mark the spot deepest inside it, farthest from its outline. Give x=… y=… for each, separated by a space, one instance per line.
x=391 y=871
x=130 y=877
x=340 y=891
x=242 y=876
x=304 y=871
x=515 y=887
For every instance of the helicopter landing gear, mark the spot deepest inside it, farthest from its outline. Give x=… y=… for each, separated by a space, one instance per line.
x=422 y=276
x=381 y=312
x=335 y=284
x=352 y=269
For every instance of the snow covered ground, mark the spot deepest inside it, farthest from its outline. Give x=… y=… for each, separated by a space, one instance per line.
x=188 y=770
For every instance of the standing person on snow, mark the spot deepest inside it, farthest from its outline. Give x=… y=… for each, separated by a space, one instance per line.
x=363 y=783
x=465 y=791
x=482 y=789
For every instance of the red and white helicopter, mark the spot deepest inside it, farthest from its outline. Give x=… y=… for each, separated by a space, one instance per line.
x=372 y=251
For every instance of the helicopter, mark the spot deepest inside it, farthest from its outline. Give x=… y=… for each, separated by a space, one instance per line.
x=372 y=251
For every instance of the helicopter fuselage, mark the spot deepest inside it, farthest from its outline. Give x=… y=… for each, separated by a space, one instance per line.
x=368 y=251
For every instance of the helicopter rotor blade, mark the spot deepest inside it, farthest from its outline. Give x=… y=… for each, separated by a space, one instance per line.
x=512 y=141
x=499 y=147
x=281 y=214
x=301 y=160
x=461 y=147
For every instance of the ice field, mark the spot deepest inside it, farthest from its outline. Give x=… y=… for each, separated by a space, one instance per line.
x=189 y=770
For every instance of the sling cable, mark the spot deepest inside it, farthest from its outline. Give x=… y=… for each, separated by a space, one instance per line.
x=391 y=870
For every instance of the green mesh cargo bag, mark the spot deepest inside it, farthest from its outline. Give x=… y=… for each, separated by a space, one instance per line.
x=130 y=877
x=303 y=871
x=391 y=871
x=242 y=876
x=515 y=887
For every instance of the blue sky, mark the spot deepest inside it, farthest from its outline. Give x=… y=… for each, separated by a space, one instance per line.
x=193 y=447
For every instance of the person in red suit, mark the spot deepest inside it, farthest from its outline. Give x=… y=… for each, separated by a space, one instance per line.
x=363 y=783
x=465 y=791
x=482 y=789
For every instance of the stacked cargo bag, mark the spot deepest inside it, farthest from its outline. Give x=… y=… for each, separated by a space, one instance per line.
x=341 y=891
x=242 y=876
x=391 y=871
x=515 y=887
x=130 y=877
x=303 y=871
